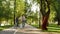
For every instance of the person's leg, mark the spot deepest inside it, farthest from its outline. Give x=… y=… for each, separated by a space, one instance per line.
x=23 y=24
x=17 y=24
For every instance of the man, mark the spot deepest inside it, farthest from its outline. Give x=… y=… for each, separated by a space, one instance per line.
x=17 y=21
x=23 y=21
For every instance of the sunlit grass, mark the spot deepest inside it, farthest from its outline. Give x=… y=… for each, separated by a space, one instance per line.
x=5 y=27
x=51 y=27
x=35 y=25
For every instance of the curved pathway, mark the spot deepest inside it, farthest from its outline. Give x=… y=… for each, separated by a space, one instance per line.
x=28 y=29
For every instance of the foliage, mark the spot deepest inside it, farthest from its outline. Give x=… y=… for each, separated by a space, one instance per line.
x=5 y=27
x=20 y=6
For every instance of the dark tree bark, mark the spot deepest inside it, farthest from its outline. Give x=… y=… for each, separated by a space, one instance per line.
x=58 y=19
x=45 y=21
x=14 y=10
x=45 y=15
x=0 y=22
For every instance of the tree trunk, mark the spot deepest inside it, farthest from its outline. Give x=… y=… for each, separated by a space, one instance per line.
x=14 y=19
x=39 y=23
x=45 y=22
x=0 y=22
x=14 y=11
x=45 y=15
x=58 y=21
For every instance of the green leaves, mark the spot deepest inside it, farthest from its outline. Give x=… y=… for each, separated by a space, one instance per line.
x=20 y=6
x=5 y=10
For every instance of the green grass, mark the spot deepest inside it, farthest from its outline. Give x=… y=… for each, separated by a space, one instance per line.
x=51 y=28
x=35 y=25
x=5 y=27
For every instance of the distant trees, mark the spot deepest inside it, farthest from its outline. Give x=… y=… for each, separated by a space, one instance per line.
x=56 y=6
x=10 y=9
x=5 y=12
x=0 y=11
x=58 y=12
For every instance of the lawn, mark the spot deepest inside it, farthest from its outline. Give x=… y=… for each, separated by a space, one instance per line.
x=5 y=27
x=51 y=27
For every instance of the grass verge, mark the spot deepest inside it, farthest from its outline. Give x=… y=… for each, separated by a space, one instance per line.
x=5 y=27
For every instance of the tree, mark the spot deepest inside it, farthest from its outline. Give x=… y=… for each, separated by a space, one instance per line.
x=19 y=7
x=5 y=13
x=58 y=14
x=45 y=14
x=0 y=11
x=56 y=5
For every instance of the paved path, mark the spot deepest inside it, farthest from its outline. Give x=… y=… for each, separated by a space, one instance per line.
x=27 y=30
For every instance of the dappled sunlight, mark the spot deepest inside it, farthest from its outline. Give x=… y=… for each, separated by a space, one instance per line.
x=9 y=29
x=29 y=16
x=3 y=23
